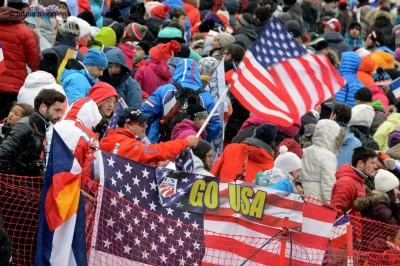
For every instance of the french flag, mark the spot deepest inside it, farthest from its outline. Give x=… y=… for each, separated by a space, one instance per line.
x=395 y=88
x=2 y=62
x=61 y=232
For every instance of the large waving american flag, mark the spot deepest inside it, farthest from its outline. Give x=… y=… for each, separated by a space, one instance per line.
x=145 y=218
x=279 y=81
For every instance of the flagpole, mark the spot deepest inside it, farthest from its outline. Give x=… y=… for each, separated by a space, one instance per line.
x=217 y=104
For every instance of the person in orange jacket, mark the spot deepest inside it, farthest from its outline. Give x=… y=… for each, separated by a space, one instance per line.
x=126 y=140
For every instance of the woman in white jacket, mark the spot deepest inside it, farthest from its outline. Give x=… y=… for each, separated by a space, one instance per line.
x=319 y=160
x=203 y=158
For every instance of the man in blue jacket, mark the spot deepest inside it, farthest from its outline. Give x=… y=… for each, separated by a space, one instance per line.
x=118 y=76
x=77 y=83
x=159 y=103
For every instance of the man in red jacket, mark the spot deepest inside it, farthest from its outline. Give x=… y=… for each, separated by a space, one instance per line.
x=19 y=48
x=350 y=180
x=126 y=140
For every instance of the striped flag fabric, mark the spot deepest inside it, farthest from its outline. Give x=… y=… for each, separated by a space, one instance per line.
x=61 y=229
x=279 y=80
x=158 y=217
x=338 y=235
x=2 y=62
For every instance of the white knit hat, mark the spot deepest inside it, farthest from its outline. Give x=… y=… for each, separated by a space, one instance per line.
x=84 y=27
x=287 y=161
x=150 y=5
x=385 y=181
x=362 y=115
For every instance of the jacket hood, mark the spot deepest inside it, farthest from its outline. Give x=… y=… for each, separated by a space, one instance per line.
x=85 y=112
x=187 y=74
x=394 y=118
x=333 y=37
x=186 y=124
x=40 y=79
x=106 y=36
x=384 y=53
x=367 y=65
x=382 y=18
x=258 y=144
x=249 y=31
x=325 y=135
x=7 y=16
x=160 y=68
x=394 y=152
x=116 y=56
x=350 y=63
x=349 y=138
x=363 y=204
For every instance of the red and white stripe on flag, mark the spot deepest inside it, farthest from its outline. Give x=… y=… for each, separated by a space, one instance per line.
x=286 y=90
x=279 y=80
x=2 y=62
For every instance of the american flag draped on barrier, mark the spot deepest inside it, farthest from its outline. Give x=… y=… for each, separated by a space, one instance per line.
x=279 y=81
x=197 y=220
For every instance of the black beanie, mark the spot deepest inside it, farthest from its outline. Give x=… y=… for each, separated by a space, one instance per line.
x=266 y=133
x=88 y=17
x=202 y=148
x=293 y=27
x=146 y=46
x=195 y=110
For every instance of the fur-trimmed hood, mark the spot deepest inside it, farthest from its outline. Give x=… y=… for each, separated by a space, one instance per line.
x=365 y=203
x=382 y=17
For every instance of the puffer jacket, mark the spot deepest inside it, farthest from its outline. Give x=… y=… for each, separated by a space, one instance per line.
x=381 y=135
x=75 y=129
x=348 y=69
x=379 y=94
x=22 y=151
x=134 y=149
x=246 y=35
x=383 y=57
x=364 y=74
x=185 y=129
x=159 y=103
x=153 y=75
x=377 y=207
x=319 y=161
x=192 y=11
x=230 y=163
x=349 y=186
x=126 y=87
x=76 y=83
x=336 y=42
x=19 y=49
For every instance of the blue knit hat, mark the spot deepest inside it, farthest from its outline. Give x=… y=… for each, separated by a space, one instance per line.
x=95 y=57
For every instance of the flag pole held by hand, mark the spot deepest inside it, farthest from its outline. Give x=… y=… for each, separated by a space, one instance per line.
x=217 y=104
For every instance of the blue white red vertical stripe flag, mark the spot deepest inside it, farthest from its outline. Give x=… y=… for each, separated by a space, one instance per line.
x=279 y=80
x=395 y=88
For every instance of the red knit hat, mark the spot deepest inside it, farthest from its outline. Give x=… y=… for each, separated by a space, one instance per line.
x=160 y=11
x=101 y=91
x=163 y=52
x=135 y=32
x=292 y=146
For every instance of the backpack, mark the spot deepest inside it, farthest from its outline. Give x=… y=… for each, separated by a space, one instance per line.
x=178 y=111
x=366 y=140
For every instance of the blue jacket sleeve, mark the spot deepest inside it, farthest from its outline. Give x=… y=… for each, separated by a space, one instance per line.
x=153 y=106
x=283 y=185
